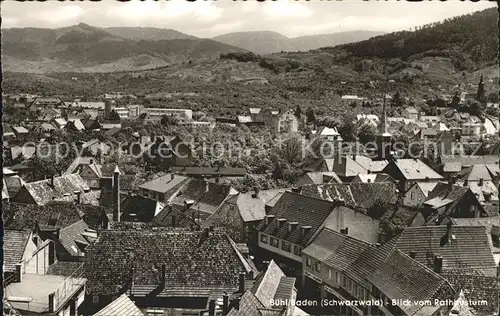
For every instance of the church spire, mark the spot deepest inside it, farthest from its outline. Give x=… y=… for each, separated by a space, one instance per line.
x=383 y=122
x=481 y=95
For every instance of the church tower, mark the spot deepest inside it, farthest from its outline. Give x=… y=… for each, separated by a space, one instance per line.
x=481 y=94
x=383 y=138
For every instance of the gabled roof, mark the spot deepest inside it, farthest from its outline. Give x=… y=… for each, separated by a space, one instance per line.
x=121 y=306
x=475 y=173
x=415 y=169
x=267 y=285
x=75 y=237
x=164 y=183
x=253 y=208
x=316 y=165
x=194 y=261
x=14 y=244
x=444 y=193
x=356 y=195
x=79 y=161
x=466 y=250
x=42 y=192
x=347 y=167
x=306 y=210
x=138 y=207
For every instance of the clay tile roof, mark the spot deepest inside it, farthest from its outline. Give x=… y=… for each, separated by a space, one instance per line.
x=121 y=306
x=14 y=244
x=194 y=260
x=468 y=249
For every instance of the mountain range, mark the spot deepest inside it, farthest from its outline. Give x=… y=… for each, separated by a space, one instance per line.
x=85 y=48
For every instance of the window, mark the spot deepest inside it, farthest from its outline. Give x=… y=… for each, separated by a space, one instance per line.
x=231 y=207
x=330 y=274
x=412 y=195
x=154 y=312
x=95 y=299
x=263 y=238
x=297 y=250
x=337 y=277
x=344 y=282
x=308 y=262
x=286 y=246
x=275 y=242
x=318 y=266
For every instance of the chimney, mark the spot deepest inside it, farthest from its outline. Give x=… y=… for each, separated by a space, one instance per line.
x=466 y=183
x=19 y=272
x=52 y=302
x=52 y=180
x=174 y=221
x=281 y=222
x=481 y=182
x=188 y=204
x=255 y=194
x=78 y=197
x=269 y=219
x=453 y=179
x=295 y=190
x=172 y=176
x=225 y=303
x=211 y=308
x=236 y=303
x=163 y=274
x=292 y=226
x=304 y=230
x=449 y=230
x=450 y=185
x=116 y=195
x=344 y=231
x=241 y=284
x=413 y=254
x=207 y=186
x=438 y=263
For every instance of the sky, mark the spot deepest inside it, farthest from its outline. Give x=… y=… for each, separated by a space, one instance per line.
x=211 y=18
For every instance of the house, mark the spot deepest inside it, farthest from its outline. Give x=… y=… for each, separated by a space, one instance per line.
x=137 y=208
x=95 y=146
x=418 y=193
x=123 y=305
x=172 y=268
x=69 y=187
x=71 y=241
x=59 y=123
x=271 y=294
x=359 y=196
x=74 y=125
x=337 y=267
x=43 y=102
x=24 y=152
x=177 y=216
x=409 y=171
x=291 y=224
x=448 y=200
x=78 y=163
x=168 y=152
x=25 y=252
x=320 y=165
x=240 y=213
x=163 y=188
x=45 y=294
x=209 y=172
x=370 y=119
x=327 y=133
x=410 y=113
x=372 y=166
x=373 y=178
x=203 y=197
x=453 y=164
x=287 y=122
x=491 y=125
x=317 y=178
x=20 y=132
x=347 y=168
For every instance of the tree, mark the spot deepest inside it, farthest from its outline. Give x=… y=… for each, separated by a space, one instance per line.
x=367 y=133
x=455 y=101
x=348 y=129
x=114 y=117
x=397 y=100
x=311 y=117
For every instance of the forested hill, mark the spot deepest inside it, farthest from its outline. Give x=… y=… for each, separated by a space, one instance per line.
x=473 y=36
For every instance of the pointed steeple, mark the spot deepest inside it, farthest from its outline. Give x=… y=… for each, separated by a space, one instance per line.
x=481 y=94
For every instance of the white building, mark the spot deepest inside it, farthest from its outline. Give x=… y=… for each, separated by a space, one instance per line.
x=158 y=112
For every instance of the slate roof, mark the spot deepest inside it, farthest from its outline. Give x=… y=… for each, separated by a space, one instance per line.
x=415 y=169
x=306 y=210
x=121 y=306
x=194 y=260
x=469 y=250
x=14 y=244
